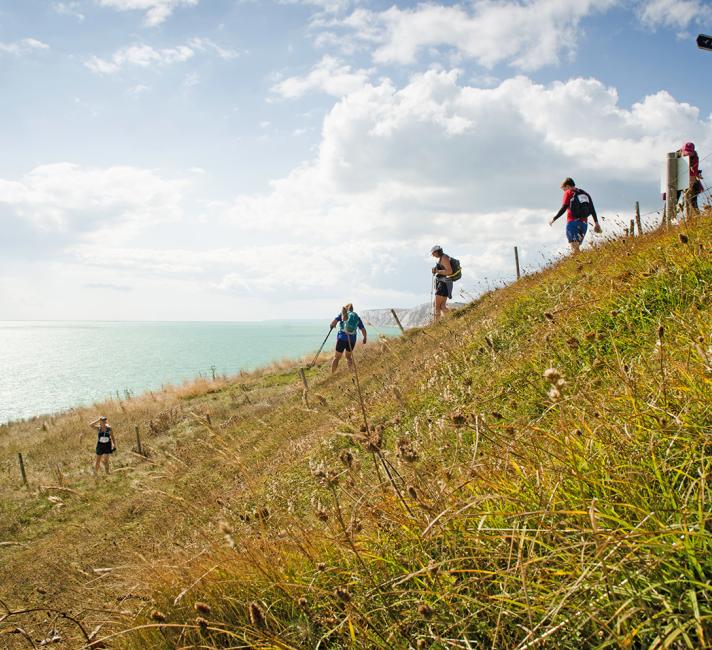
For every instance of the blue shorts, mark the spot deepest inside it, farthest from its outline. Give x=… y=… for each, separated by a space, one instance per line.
x=345 y=343
x=576 y=230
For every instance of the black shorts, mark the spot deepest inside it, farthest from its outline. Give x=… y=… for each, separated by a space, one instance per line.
x=103 y=448
x=442 y=289
x=345 y=344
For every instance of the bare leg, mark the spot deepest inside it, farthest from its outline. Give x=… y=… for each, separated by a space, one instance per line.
x=335 y=361
x=575 y=246
x=350 y=359
x=440 y=306
x=97 y=462
x=106 y=463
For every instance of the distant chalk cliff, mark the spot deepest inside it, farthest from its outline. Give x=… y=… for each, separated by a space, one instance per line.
x=412 y=317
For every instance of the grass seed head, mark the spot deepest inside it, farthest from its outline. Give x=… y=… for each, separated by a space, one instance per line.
x=202 y=608
x=256 y=615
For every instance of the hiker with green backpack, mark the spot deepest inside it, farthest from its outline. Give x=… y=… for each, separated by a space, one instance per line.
x=445 y=272
x=349 y=323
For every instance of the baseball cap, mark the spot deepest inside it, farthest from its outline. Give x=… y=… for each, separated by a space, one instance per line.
x=437 y=247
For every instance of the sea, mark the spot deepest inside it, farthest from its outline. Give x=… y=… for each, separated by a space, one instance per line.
x=47 y=367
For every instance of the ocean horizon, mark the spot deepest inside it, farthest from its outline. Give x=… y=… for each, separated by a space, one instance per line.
x=51 y=366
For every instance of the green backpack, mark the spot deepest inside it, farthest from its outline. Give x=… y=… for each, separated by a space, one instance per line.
x=350 y=325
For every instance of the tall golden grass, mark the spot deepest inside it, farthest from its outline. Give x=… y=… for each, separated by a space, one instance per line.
x=531 y=472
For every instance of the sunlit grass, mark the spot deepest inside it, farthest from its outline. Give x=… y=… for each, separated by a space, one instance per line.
x=533 y=472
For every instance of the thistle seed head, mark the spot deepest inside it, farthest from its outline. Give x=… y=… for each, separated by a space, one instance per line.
x=406 y=451
x=425 y=610
x=347 y=458
x=256 y=615
x=202 y=608
x=157 y=615
x=201 y=622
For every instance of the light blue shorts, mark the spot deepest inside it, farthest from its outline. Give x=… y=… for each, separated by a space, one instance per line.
x=576 y=230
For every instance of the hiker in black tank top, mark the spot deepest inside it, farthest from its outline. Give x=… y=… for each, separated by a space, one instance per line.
x=105 y=443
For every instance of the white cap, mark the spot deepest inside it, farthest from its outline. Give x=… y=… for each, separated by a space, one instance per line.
x=437 y=247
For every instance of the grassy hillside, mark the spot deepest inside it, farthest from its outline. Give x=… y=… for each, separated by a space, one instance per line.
x=532 y=472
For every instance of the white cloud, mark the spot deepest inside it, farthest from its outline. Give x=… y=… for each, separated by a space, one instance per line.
x=331 y=76
x=155 y=11
x=677 y=14
x=23 y=47
x=140 y=55
x=64 y=197
x=397 y=169
x=208 y=45
x=527 y=35
x=70 y=8
x=145 y=56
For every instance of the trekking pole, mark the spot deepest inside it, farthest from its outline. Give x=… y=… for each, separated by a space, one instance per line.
x=432 y=300
x=320 y=349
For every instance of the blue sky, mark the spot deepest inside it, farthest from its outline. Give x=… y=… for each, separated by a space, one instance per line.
x=234 y=159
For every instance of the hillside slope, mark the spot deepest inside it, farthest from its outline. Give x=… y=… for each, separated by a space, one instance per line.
x=534 y=471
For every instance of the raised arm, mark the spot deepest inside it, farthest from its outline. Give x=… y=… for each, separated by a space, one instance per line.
x=95 y=423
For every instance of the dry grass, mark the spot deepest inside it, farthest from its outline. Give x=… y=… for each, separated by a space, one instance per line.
x=476 y=500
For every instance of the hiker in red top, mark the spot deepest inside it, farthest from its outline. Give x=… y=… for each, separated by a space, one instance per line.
x=695 y=188
x=579 y=207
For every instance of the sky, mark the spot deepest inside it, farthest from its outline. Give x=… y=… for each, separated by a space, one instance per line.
x=259 y=159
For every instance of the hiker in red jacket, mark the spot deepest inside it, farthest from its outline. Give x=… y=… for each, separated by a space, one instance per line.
x=695 y=188
x=579 y=207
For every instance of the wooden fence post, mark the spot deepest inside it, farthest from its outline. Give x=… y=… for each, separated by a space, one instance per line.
x=632 y=228
x=138 y=442
x=22 y=469
x=516 y=261
x=671 y=189
x=638 y=222
x=393 y=311
x=305 y=391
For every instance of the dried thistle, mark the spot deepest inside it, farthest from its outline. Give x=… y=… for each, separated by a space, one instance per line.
x=406 y=451
x=425 y=610
x=458 y=419
x=202 y=623
x=552 y=375
x=158 y=616
x=302 y=603
x=321 y=566
x=347 y=458
x=202 y=608
x=262 y=514
x=256 y=615
x=412 y=492
x=548 y=315
x=342 y=594
x=321 y=512
x=683 y=238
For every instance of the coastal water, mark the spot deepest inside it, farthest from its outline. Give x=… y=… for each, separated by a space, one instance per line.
x=51 y=366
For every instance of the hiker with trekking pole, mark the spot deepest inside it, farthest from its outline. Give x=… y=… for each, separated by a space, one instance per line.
x=105 y=444
x=349 y=323
x=578 y=205
x=445 y=272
